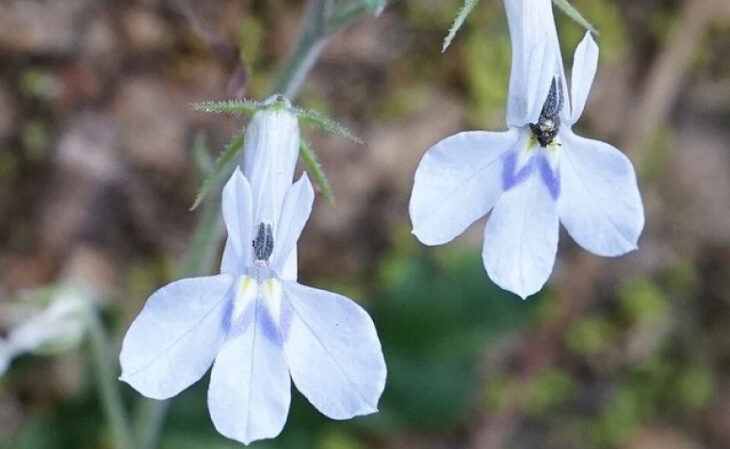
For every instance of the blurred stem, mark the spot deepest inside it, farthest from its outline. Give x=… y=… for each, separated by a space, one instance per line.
x=318 y=26
x=322 y=21
x=107 y=382
x=307 y=49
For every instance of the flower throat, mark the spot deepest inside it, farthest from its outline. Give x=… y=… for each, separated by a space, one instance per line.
x=548 y=124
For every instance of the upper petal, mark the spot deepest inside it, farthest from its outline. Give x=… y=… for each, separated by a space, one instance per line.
x=521 y=238
x=250 y=388
x=333 y=351
x=270 y=153
x=458 y=181
x=237 y=205
x=600 y=206
x=295 y=211
x=175 y=338
x=536 y=58
x=585 y=63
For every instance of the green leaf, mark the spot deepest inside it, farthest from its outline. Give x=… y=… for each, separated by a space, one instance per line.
x=322 y=121
x=458 y=22
x=574 y=14
x=247 y=107
x=310 y=158
x=220 y=168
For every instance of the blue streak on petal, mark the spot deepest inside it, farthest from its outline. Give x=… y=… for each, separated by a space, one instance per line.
x=550 y=177
x=267 y=325
x=242 y=324
x=510 y=178
x=227 y=316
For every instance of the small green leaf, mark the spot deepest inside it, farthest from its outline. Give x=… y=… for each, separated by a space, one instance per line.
x=322 y=121
x=310 y=158
x=574 y=14
x=220 y=168
x=247 y=107
x=458 y=22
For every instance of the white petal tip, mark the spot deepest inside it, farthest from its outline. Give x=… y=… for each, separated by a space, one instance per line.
x=363 y=411
x=425 y=239
x=615 y=252
x=525 y=295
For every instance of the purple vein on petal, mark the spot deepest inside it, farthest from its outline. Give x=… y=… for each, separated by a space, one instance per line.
x=510 y=178
x=227 y=315
x=550 y=177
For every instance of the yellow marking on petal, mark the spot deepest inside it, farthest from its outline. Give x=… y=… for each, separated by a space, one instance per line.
x=245 y=284
x=269 y=285
x=245 y=294
x=272 y=295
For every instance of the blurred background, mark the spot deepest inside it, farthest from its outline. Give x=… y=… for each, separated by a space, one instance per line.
x=101 y=156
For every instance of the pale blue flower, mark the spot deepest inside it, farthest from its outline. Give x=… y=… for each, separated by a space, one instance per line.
x=535 y=175
x=254 y=323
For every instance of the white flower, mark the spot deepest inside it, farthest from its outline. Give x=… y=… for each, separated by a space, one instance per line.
x=257 y=329
x=535 y=175
x=59 y=326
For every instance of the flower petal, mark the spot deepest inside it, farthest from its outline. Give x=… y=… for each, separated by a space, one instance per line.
x=457 y=182
x=535 y=58
x=600 y=206
x=250 y=388
x=585 y=63
x=237 y=204
x=521 y=238
x=175 y=338
x=333 y=352
x=295 y=212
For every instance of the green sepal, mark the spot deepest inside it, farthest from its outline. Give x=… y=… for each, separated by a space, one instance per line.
x=574 y=14
x=248 y=107
x=203 y=161
x=220 y=168
x=245 y=107
x=315 y=168
x=458 y=22
x=321 y=121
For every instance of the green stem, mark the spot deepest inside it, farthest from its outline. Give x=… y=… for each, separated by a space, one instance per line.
x=307 y=49
x=106 y=369
x=318 y=27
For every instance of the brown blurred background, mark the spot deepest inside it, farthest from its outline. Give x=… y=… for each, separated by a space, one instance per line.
x=98 y=172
